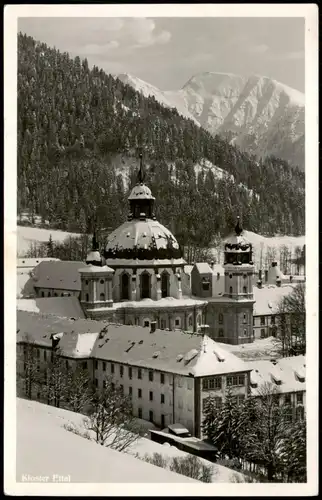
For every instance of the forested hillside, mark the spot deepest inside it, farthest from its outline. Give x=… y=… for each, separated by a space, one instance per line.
x=72 y=122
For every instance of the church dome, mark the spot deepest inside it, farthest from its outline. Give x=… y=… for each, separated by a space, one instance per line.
x=144 y=240
x=141 y=192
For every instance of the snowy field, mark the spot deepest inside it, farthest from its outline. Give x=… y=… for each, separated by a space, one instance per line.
x=40 y=426
x=27 y=235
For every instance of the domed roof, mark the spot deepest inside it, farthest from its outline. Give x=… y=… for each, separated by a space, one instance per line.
x=237 y=241
x=142 y=239
x=141 y=192
x=93 y=256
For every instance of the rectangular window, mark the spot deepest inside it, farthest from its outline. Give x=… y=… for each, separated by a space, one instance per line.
x=262 y=333
x=112 y=368
x=162 y=378
x=139 y=373
x=177 y=322
x=151 y=416
x=163 y=324
x=272 y=320
x=287 y=399
x=162 y=421
x=113 y=386
x=162 y=398
x=121 y=371
x=45 y=355
x=96 y=365
x=38 y=353
x=84 y=365
x=104 y=366
x=262 y=320
x=299 y=398
x=244 y=318
x=67 y=365
x=180 y=403
x=253 y=321
x=205 y=384
x=139 y=393
x=130 y=372
x=105 y=384
x=180 y=382
x=130 y=391
x=121 y=389
x=240 y=399
x=241 y=379
x=211 y=383
x=140 y=412
x=151 y=396
x=150 y=376
x=96 y=382
x=190 y=383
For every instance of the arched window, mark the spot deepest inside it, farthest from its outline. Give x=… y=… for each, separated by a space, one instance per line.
x=62 y=295
x=230 y=290
x=49 y=294
x=190 y=322
x=102 y=296
x=165 y=284
x=199 y=319
x=102 y=282
x=300 y=413
x=163 y=324
x=125 y=286
x=221 y=333
x=55 y=294
x=87 y=297
x=145 y=285
x=43 y=294
x=244 y=289
x=220 y=318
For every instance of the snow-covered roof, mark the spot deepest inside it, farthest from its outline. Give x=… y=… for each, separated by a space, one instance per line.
x=90 y=268
x=40 y=435
x=268 y=297
x=274 y=273
x=178 y=352
x=66 y=307
x=166 y=302
x=287 y=375
x=33 y=262
x=203 y=268
x=61 y=275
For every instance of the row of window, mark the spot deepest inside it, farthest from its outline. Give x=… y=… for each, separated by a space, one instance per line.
x=216 y=382
x=263 y=320
x=139 y=391
x=129 y=371
x=63 y=294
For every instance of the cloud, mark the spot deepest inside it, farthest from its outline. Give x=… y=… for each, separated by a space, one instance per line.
x=142 y=33
x=288 y=56
x=258 y=49
x=95 y=49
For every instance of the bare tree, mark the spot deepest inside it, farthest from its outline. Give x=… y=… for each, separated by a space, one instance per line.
x=291 y=318
x=192 y=466
x=111 y=420
x=28 y=368
x=55 y=380
x=79 y=389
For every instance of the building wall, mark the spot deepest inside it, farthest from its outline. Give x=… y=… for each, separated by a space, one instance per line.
x=155 y=290
x=230 y=323
x=178 y=402
x=197 y=283
x=241 y=391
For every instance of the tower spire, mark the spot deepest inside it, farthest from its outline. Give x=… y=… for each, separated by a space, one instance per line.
x=238 y=227
x=141 y=171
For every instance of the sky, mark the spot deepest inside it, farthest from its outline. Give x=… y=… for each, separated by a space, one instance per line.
x=167 y=52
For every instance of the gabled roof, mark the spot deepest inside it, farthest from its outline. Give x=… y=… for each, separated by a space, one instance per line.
x=285 y=375
x=268 y=297
x=203 y=268
x=62 y=275
x=65 y=307
x=169 y=351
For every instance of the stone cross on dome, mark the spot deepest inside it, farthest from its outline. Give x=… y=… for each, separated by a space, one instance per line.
x=238 y=227
x=141 y=175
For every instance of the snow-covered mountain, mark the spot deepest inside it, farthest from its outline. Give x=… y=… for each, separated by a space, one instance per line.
x=256 y=113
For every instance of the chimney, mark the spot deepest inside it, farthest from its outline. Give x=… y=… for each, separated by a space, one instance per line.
x=266 y=275
x=278 y=281
x=260 y=275
x=153 y=326
x=259 y=283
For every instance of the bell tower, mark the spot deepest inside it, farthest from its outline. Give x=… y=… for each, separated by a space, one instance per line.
x=235 y=309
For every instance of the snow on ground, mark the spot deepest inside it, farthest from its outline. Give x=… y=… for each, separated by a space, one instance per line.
x=259 y=349
x=45 y=448
x=45 y=421
x=27 y=305
x=27 y=235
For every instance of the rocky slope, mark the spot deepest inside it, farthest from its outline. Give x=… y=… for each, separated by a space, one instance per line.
x=256 y=113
